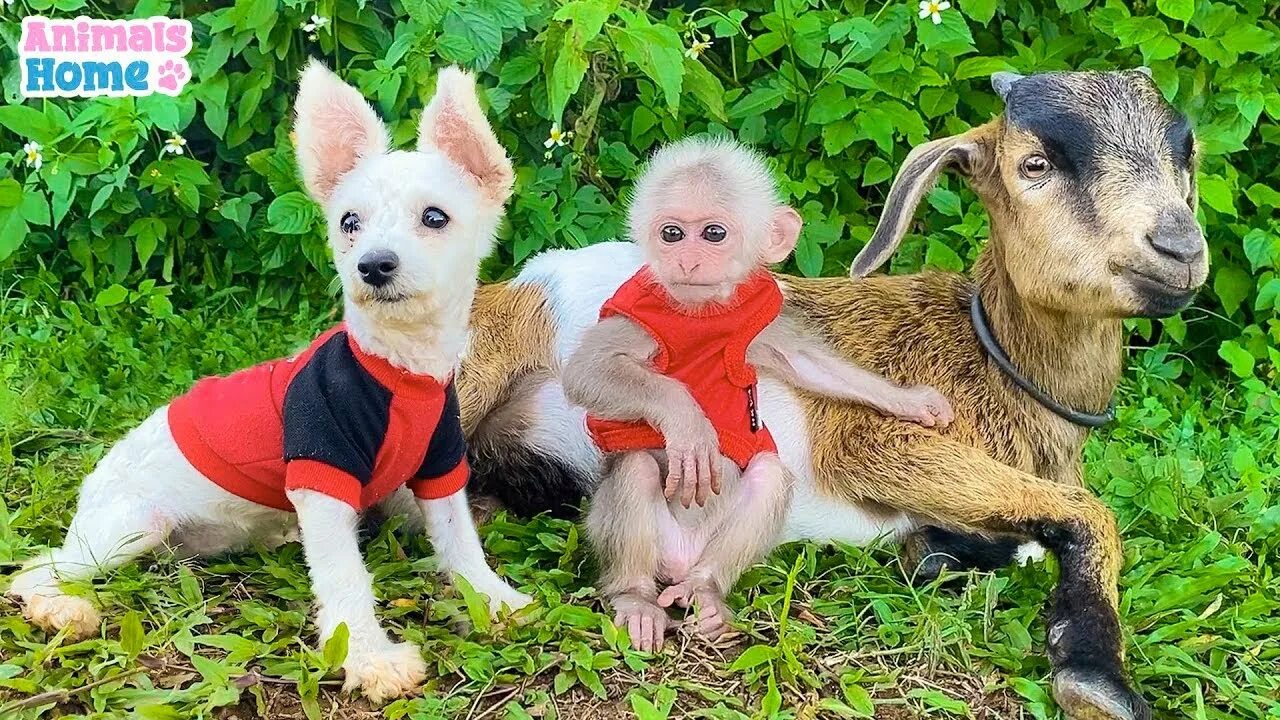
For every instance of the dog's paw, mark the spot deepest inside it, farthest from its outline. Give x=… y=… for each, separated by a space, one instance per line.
x=54 y=612
x=504 y=594
x=392 y=671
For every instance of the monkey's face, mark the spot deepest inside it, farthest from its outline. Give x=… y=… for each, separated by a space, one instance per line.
x=700 y=253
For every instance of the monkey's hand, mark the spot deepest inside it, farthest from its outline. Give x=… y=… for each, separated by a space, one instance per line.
x=923 y=405
x=693 y=461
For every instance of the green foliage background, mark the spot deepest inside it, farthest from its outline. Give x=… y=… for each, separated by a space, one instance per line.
x=126 y=273
x=837 y=92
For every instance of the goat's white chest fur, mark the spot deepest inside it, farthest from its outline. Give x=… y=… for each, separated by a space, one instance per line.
x=577 y=283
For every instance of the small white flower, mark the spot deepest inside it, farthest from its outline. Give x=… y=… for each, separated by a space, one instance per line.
x=699 y=46
x=933 y=8
x=317 y=22
x=557 y=138
x=175 y=145
x=34 y=158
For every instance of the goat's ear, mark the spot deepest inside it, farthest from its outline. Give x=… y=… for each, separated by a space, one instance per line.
x=784 y=231
x=454 y=125
x=918 y=173
x=334 y=128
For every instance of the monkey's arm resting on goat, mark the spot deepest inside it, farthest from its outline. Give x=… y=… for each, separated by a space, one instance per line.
x=808 y=364
x=611 y=375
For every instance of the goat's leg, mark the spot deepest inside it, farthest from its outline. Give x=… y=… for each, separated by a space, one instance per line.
x=957 y=486
x=931 y=549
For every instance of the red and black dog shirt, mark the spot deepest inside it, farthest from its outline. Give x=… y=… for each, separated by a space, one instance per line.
x=333 y=419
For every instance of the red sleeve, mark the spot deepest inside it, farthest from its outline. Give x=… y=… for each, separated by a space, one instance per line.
x=444 y=485
x=305 y=474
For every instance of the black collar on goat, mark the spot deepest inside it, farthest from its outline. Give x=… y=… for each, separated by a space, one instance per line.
x=982 y=329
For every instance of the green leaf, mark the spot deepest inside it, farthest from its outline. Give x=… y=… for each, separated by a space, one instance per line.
x=858 y=698
x=1262 y=248
x=477 y=605
x=876 y=171
x=1177 y=9
x=1232 y=286
x=132 y=636
x=566 y=75
x=147 y=234
x=759 y=100
x=111 y=296
x=10 y=193
x=587 y=16
x=704 y=86
x=1217 y=194
x=982 y=67
x=656 y=50
x=335 y=648
x=1268 y=296
x=291 y=214
x=941 y=256
x=980 y=10
x=29 y=123
x=754 y=656
x=1238 y=359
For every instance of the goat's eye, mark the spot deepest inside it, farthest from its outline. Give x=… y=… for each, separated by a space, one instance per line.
x=672 y=233
x=350 y=223
x=714 y=233
x=434 y=218
x=1034 y=167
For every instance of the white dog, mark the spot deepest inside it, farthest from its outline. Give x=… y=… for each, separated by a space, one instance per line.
x=365 y=415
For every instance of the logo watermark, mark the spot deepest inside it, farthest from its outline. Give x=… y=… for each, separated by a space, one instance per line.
x=86 y=57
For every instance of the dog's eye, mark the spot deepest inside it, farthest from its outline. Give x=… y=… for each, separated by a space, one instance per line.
x=434 y=218
x=350 y=223
x=672 y=233
x=714 y=233
x=1034 y=167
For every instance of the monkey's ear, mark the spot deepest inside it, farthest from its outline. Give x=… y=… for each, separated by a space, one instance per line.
x=916 y=177
x=334 y=129
x=454 y=125
x=784 y=231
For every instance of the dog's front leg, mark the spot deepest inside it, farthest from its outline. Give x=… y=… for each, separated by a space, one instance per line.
x=453 y=535
x=344 y=594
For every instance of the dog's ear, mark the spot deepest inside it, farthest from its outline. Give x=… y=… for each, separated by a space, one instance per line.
x=454 y=125
x=334 y=129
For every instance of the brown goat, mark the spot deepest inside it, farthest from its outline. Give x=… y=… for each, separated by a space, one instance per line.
x=1088 y=179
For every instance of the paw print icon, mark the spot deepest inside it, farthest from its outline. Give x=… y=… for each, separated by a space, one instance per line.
x=171 y=76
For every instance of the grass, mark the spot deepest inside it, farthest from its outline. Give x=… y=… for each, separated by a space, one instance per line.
x=1191 y=469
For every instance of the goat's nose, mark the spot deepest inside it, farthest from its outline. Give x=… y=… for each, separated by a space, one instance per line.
x=1177 y=235
x=377 y=267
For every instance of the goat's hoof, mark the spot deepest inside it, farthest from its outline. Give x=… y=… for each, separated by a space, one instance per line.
x=1091 y=695
x=388 y=672
x=55 y=612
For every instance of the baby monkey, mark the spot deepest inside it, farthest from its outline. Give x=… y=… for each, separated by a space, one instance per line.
x=693 y=491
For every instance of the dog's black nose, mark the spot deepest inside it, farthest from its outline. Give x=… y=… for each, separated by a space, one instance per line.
x=377 y=267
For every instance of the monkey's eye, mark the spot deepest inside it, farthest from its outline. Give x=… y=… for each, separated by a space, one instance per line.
x=714 y=233
x=672 y=233
x=350 y=223
x=1035 y=166
x=434 y=218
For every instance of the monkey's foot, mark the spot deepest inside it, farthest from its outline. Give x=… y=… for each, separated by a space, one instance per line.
x=644 y=621
x=1085 y=695
x=711 y=615
x=54 y=612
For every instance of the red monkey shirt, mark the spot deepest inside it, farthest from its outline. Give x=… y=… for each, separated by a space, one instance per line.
x=706 y=350
x=333 y=419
